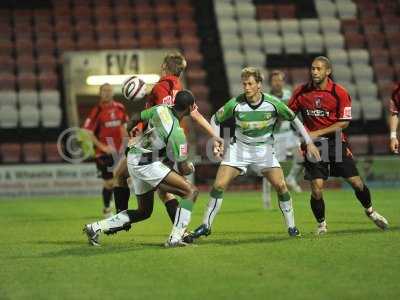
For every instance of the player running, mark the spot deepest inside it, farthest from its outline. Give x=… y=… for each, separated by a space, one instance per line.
x=393 y=120
x=163 y=137
x=106 y=128
x=256 y=114
x=163 y=92
x=286 y=140
x=326 y=109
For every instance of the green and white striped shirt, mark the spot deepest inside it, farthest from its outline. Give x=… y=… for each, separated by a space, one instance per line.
x=254 y=124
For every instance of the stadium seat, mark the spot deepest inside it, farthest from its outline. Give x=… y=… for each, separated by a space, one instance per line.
x=310 y=26
x=230 y=41
x=363 y=73
x=354 y=40
x=255 y=58
x=372 y=109
x=346 y=9
x=32 y=152
x=265 y=11
x=367 y=90
x=342 y=74
x=356 y=110
x=269 y=27
x=273 y=44
x=51 y=116
x=358 y=56
x=380 y=143
x=49 y=97
x=234 y=58
x=251 y=42
x=313 y=43
x=8 y=116
x=284 y=11
x=7 y=81
x=29 y=116
x=333 y=41
x=48 y=80
x=325 y=9
x=351 y=25
x=27 y=81
x=359 y=144
x=8 y=98
x=248 y=26
x=288 y=26
x=28 y=98
x=26 y=63
x=10 y=152
x=293 y=43
x=338 y=57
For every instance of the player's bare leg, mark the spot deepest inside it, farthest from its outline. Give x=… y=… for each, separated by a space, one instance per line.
x=107 y=195
x=364 y=196
x=276 y=178
x=225 y=175
x=318 y=205
x=184 y=211
x=121 y=188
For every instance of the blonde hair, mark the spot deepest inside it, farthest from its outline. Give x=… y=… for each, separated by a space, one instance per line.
x=251 y=71
x=175 y=63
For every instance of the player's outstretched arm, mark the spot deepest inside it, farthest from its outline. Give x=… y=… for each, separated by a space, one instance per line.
x=393 y=124
x=312 y=150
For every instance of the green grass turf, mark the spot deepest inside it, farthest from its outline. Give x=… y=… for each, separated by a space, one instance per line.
x=44 y=255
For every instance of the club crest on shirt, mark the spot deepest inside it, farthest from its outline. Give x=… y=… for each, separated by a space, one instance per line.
x=183 y=150
x=267 y=115
x=112 y=114
x=318 y=102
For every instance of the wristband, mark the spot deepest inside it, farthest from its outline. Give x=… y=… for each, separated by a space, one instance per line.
x=393 y=135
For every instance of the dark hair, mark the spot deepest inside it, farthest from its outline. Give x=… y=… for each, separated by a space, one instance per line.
x=325 y=60
x=183 y=100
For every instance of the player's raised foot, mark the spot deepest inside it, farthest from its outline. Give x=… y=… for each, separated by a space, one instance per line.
x=321 y=229
x=107 y=212
x=92 y=235
x=378 y=219
x=200 y=231
x=294 y=232
x=293 y=185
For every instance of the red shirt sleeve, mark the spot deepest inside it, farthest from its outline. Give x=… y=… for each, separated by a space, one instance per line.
x=395 y=101
x=92 y=120
x=344 y=110
x=161 y=94
x=294 y=102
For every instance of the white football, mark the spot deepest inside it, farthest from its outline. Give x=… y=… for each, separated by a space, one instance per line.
x=134 y=88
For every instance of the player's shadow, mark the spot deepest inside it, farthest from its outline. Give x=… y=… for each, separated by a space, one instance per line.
x=231 y=241
x=361 y=231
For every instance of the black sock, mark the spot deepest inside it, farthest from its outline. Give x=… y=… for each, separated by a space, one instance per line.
x=171 y=207
x=364 y=197
x=318 y=209
x=107 y=194
x=121 y=198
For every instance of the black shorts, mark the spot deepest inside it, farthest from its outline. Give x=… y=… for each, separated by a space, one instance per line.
x=104 y=166
x=341 y=166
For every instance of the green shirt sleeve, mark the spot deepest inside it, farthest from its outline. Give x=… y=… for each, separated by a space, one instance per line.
x=177 y=147
x=225 y=112
x=147 y=114
x=283 y=111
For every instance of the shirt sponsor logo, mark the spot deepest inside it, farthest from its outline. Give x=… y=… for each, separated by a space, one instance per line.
x=317 y=113
x=168 y=100
x=110 y=124
x=347 y=112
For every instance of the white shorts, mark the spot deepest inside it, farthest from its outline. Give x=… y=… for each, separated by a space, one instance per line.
x=258 y=158
x=284 y=143
x=146 y=177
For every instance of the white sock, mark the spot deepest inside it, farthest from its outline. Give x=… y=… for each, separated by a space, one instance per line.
x=182 y=220
x=288 y=213
x=213 y=207
x=115 y=221
x=266 y=193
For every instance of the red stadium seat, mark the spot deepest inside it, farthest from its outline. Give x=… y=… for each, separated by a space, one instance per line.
x=86 y=43
x=354 y=40
x=32 y=152
x=65 y=43
x=169 y=41
x=148 y=41
x=10 y=152
x=7 y=81
x=51 y=152
x=285 y=11
x=380 y=143
x=48 y=80
x=63 y=24
x=375 y=40
x=384 y=72
x=299 y=75
x=46 y=63
x=391 y=24
x=107 y=43
x=196 y=76
x=26 y=63
x=359 y=144
x=351 y=25
x=7 y=63
x=143 y=11
x=127 y=42
x=379 y=56
x=27 y=81
x=82 y=11
x=265 y=11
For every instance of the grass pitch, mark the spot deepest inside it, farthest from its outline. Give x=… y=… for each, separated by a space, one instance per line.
x=44 y=255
